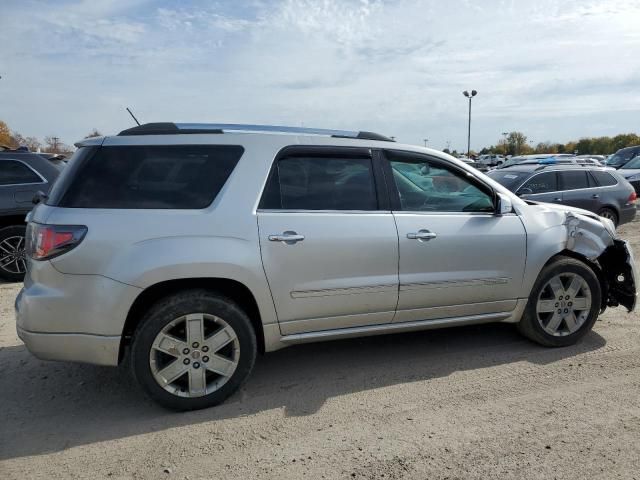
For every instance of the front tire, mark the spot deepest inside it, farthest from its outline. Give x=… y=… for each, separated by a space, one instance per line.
x=563 y=304
x=13 y=260
x=192 y=350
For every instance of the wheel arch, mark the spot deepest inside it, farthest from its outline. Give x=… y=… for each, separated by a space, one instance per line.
x=232 y=289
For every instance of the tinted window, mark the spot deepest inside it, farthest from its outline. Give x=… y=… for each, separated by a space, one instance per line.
x=573 y=180
x=321 y=183
x=15 y=173
x=633 y=164
x=604 y=179
x=426 y=186
x=541 y=183
x=170 y=176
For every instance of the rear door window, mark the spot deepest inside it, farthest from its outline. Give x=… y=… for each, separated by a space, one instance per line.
x=151 y=177
x=321 y=183
x=604 y=179
x=574 y=179
x=13 y=172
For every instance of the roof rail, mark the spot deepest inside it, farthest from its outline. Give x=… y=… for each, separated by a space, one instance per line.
x=169 y=128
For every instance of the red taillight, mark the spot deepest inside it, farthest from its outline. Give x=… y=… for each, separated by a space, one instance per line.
x=632 y=198
x=48 y=241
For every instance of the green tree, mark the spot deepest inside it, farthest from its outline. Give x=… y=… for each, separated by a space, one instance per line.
x=516 y=143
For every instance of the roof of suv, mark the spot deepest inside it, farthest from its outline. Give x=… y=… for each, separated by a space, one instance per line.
x=169 y=128
x=532 y=167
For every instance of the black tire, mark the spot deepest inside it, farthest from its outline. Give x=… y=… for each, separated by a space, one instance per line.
x=7 y=233
x=178 y=305
x=529 y=325
x=609 y=213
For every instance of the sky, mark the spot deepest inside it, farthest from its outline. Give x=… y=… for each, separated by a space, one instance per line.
x=556 y=70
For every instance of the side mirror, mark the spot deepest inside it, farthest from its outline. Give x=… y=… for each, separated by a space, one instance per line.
x=524 y=191
x=504 y=205
x=425 y=169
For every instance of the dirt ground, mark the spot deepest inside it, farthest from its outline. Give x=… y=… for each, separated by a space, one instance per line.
x=475 y=402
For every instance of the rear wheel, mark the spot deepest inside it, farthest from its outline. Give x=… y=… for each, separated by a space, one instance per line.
x=610 y=214
x=13 y=260
x=193 y=350
x=563 y=305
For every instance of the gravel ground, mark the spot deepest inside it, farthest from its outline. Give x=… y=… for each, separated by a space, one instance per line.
x=475 y=402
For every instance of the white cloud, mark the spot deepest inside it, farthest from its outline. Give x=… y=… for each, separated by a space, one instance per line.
x=555 y=70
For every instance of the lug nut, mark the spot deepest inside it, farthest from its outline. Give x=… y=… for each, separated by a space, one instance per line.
x=560 y=297
x=570 y=303
x=185 y=351
x=196 y=365
x=205 y=348
x=566 y=310
x=567 y=297
x=205 y=359
x=186 y=361
x=557 y=304
x=559 y=310
x=195 y=344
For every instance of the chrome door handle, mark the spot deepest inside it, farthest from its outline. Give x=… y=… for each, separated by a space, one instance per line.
x=422 y=235
x=557 y=199
x=288 y=237
x=595 y=195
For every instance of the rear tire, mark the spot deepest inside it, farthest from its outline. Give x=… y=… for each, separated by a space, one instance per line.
x=610 y=214
x=563 y=304
x=13 y=261
x=192 y=350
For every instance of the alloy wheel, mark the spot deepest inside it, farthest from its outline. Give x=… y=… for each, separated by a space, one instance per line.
x=564 y=304
x=13 y=258
x=194 y=355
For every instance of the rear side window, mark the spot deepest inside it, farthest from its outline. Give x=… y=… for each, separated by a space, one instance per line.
x=573 y=180
x=604 y=179
x=158 y=177
x=321 y=183
x=541 y=183
x=13 y=172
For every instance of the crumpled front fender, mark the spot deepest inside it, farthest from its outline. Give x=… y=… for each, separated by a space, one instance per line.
x=595 y=239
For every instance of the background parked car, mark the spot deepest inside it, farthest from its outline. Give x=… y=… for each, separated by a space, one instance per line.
x=623 y=156
x=491 y=160
x=631 y=172
x=535 y=158
x=596 y=189
x=22 y=175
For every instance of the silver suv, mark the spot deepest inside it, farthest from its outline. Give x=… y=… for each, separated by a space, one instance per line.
x=187 y=249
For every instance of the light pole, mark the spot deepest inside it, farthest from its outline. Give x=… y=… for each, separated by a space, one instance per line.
x=469 y=96
x=425 y=141
x=504 y=134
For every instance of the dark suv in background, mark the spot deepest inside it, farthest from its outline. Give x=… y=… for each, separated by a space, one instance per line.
x=22 y=176
x=623 y=156
x=599 y=190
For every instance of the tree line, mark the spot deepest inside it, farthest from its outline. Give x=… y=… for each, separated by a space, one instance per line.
x=49 y=144
x=516 y=143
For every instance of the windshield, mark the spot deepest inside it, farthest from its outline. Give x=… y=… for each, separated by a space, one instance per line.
x=511 y=180
x=633 y=164
x=621 y=157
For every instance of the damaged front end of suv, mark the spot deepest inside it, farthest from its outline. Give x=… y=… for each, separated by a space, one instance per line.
x=595 y=239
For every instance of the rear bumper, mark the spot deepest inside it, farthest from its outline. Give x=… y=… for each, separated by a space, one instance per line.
x=76 y=318
x=72 y=347
x=627 y=214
